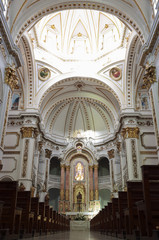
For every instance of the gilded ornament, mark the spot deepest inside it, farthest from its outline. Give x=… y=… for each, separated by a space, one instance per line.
x=149 y=77
x=130 y=132
x=111 y=153
x=28 y=132
x=48 y=153
x=11 y=78
x=25 y=157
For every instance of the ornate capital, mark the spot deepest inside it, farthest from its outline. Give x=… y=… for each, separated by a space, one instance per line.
x=28 y=132
x=90 y=167
x=48 y=153
x=11 y=78
x=95 y=166
x=111 y=153
x=62 y=166
x=67 y=168
x=130 y=132
x=149 y=77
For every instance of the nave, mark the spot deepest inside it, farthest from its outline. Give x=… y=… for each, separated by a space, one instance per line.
x=74 y=235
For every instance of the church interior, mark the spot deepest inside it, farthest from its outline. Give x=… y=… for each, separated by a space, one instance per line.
x=79 y=118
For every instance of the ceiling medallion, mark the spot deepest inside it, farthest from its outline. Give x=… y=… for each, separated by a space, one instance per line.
x=44 y=74
x=115 y=73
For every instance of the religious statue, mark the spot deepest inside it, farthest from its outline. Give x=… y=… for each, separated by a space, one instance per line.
x=79 y=172
x=79 y=197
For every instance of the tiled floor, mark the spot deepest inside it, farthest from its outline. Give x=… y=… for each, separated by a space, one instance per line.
x=74 y=235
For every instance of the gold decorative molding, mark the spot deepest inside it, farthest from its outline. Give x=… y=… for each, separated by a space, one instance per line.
x=130 y=132
x=12 y=152
x=48 y=153
x=111 y=153
x=148 y=152
x=95 y=166
x=11 y=78
x=28 y=132
x=25 y=157
x=118 y=144
x=134 y=158
x=149 y=77
x=40 y=145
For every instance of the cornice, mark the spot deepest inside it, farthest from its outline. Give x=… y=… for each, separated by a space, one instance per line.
x=11 y=47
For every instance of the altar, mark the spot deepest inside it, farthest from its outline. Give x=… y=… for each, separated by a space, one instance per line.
x=79 y=225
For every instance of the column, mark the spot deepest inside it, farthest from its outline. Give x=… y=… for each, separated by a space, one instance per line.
x=36 y=165
x=47 y=164
x=28 y=135
x=111 y=156
x=96 y=182
x=67 y=182
x=151 y=84
x=91 y=183
x=131 y=136
x=62 y=185
x=11 y=81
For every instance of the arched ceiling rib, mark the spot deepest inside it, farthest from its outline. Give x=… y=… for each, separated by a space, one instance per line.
x=79 y=106
x=135 y=13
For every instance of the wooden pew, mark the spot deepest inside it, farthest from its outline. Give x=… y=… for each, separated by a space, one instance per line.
x=27 y=219
x=148 y=209
x=43 y=218
x=114 y=220
x=48 y=218
x=11 y=215
x=109 y=217
x=37 y=216
x=134 y=194
x=122 y=204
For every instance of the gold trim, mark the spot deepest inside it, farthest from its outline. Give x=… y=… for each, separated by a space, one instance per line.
x=11 y=152
x=149 y=152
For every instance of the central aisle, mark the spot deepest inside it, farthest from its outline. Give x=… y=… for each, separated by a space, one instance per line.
x=74 y=235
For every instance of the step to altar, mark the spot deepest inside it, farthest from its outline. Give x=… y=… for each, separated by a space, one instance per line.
x=76 y=225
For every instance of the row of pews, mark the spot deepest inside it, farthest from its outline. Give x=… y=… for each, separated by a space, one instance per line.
x=134 y=215
x=24 y=216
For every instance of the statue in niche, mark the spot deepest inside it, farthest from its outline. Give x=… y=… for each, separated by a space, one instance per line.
x=79 y=197
x=79 y=172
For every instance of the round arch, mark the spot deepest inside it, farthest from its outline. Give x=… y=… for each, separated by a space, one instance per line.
x=133 y=14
